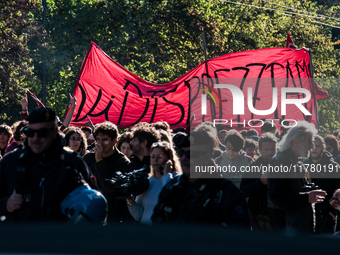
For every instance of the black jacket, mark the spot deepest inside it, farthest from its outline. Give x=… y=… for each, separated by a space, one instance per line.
x=43 y=181
x=252 y=187
x=285 y=193
x=137 y=164
x=205 y=201
x=104 y=170
x=329 y=182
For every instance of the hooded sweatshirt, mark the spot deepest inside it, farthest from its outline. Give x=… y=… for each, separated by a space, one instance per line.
x=235 y=164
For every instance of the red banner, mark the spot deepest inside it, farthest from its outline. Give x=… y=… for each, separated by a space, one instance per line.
x=36 y=99
x=107 y=91
x=289 y=42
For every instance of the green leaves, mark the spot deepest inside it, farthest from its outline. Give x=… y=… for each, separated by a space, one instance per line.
x=157 y=40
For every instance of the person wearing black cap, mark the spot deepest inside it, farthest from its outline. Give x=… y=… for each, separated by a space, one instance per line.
x=35 y=179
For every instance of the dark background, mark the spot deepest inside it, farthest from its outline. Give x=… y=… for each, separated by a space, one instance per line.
x=138 y=239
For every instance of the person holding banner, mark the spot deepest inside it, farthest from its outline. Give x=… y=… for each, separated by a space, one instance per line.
x=67 y=120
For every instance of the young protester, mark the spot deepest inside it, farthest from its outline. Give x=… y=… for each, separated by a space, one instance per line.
x=254 y=183
x=319 y=159
x=164 y=167
x=144 y=136
x=188 y=200
x=250 y=147
x=234 y=156
x=104 y=162
x=123 y=144
x=5 y=134
x=76 y=140
x=18 y=135
x=332 y=146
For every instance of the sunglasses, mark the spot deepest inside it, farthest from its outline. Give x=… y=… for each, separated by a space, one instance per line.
x=42 y=132
x=161 y=143
x=182 y=152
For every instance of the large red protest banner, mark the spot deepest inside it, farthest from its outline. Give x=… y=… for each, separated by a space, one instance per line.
x=107 y=91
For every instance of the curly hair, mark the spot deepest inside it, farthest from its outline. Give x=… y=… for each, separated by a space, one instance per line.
x=126 y=137
x=6 y=129
x=249 y=143
x=106 y=128
x=161 y=125
x=17 y=128
x=146 y=133
x=333 y=142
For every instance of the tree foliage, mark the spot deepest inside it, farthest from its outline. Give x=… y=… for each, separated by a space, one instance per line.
x=160 y=40
x=17 y=28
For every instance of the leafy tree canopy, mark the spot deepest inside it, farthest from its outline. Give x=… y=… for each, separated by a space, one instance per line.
x=160 y=40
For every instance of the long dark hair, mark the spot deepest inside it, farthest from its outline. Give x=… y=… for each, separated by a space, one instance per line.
x=83 y=141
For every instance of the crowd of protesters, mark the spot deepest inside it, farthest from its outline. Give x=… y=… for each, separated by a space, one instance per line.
x=43 y=160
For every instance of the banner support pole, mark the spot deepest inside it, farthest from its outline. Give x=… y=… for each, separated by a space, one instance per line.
x=204 y=47
x=314 y=89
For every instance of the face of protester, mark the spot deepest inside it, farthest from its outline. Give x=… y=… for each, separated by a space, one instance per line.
x=74 y=141
x=126 y=149
x=305 y=146
x=221 y=137
x=3 y=138
x=106 y=142
x=158 y=159
x=231 y=154
x=43 y=138
x=185 y=160
x=250 y=151
x=199 y=156
x=136 y=146
x=87 y=133
x=267 y=151
x=329 y=148
x=316 y=152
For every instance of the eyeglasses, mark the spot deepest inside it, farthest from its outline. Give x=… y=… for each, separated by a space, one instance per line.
x=181 y=152
x=42 y=132
x=161 y=143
